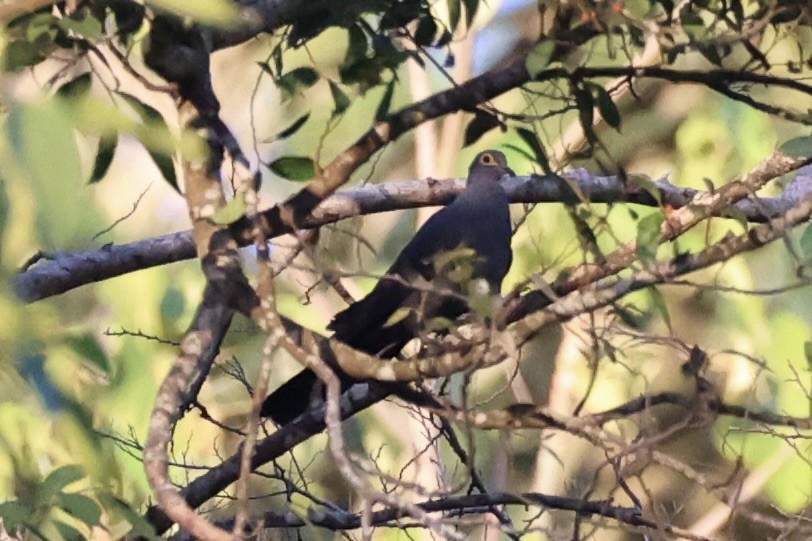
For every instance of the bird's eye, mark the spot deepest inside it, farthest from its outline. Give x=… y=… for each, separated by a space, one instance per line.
x=487 y=159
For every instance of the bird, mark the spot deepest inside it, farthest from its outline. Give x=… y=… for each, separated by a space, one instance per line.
x=465 y=244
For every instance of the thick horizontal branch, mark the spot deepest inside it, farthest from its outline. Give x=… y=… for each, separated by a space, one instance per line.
x=265 y=17
x=713 y=79
x=65 y=271
x=454 y=506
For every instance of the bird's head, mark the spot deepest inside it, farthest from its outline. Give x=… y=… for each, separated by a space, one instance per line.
x=489 y=166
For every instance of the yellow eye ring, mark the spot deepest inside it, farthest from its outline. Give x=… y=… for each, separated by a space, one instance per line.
x=487 y=159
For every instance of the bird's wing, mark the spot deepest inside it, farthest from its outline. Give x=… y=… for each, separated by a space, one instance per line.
x=360 y=325
x=442 y=232
x=375 y=323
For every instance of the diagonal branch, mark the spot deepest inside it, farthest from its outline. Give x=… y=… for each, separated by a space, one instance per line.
x=226 y=290
x=595 y=297
x=677 y=222
x=530 y=416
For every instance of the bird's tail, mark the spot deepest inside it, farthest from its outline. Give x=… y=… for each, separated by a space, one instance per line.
x=295 y=396
x=292 y=398
x=360 y=326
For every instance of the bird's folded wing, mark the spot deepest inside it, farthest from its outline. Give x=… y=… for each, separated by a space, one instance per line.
x=373 y=311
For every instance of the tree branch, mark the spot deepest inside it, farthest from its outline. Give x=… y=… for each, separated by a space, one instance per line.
x=67 y=271
x=265 y=17
x=454 y=506
x=530 y=416
x=595 y=297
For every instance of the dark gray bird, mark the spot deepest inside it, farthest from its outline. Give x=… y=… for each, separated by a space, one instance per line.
x=464 y=243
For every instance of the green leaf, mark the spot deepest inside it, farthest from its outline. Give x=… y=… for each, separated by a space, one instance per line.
x=446 y=262
x=75 y=88
x=67 y=532
x=454 y=12
x=293 y=168
x=647 y=184
x=129 y=17
x=146 y=112
x=43 y=145
x=81 y=507
x=693 y=24
x=14 y=513
x=166 y=165
x=265 y=67
x=57 y=480
x=658 y=301
x=400 y=14
x=150 y=116
x=471 y=7
x=173 y=304
x=297 y=80
x=386 y=102
x=398 y=315
x=533 y=142
x=539 y=57
x=104 y=157
x=481 y=123
x=4 y=208
x=29 y=39
x=606 y=106
x=22 y=54
x=786 y=15
x=631 y=316
x=39 y=26
x=139 y=523
x=807 y=354
x=426 y=31
x=230 y=212
x=711 y=53
x=340 y=99
x=799 y=147
x=87 y=346
x=438 y=324
x=276 y=56
x=87 y=27
x=358 y=45
x=738 y=11
x=585 y=233
x=585 y=104
x=444 y=39
x=648 y=235
x=293 y=128
x=806 y=242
